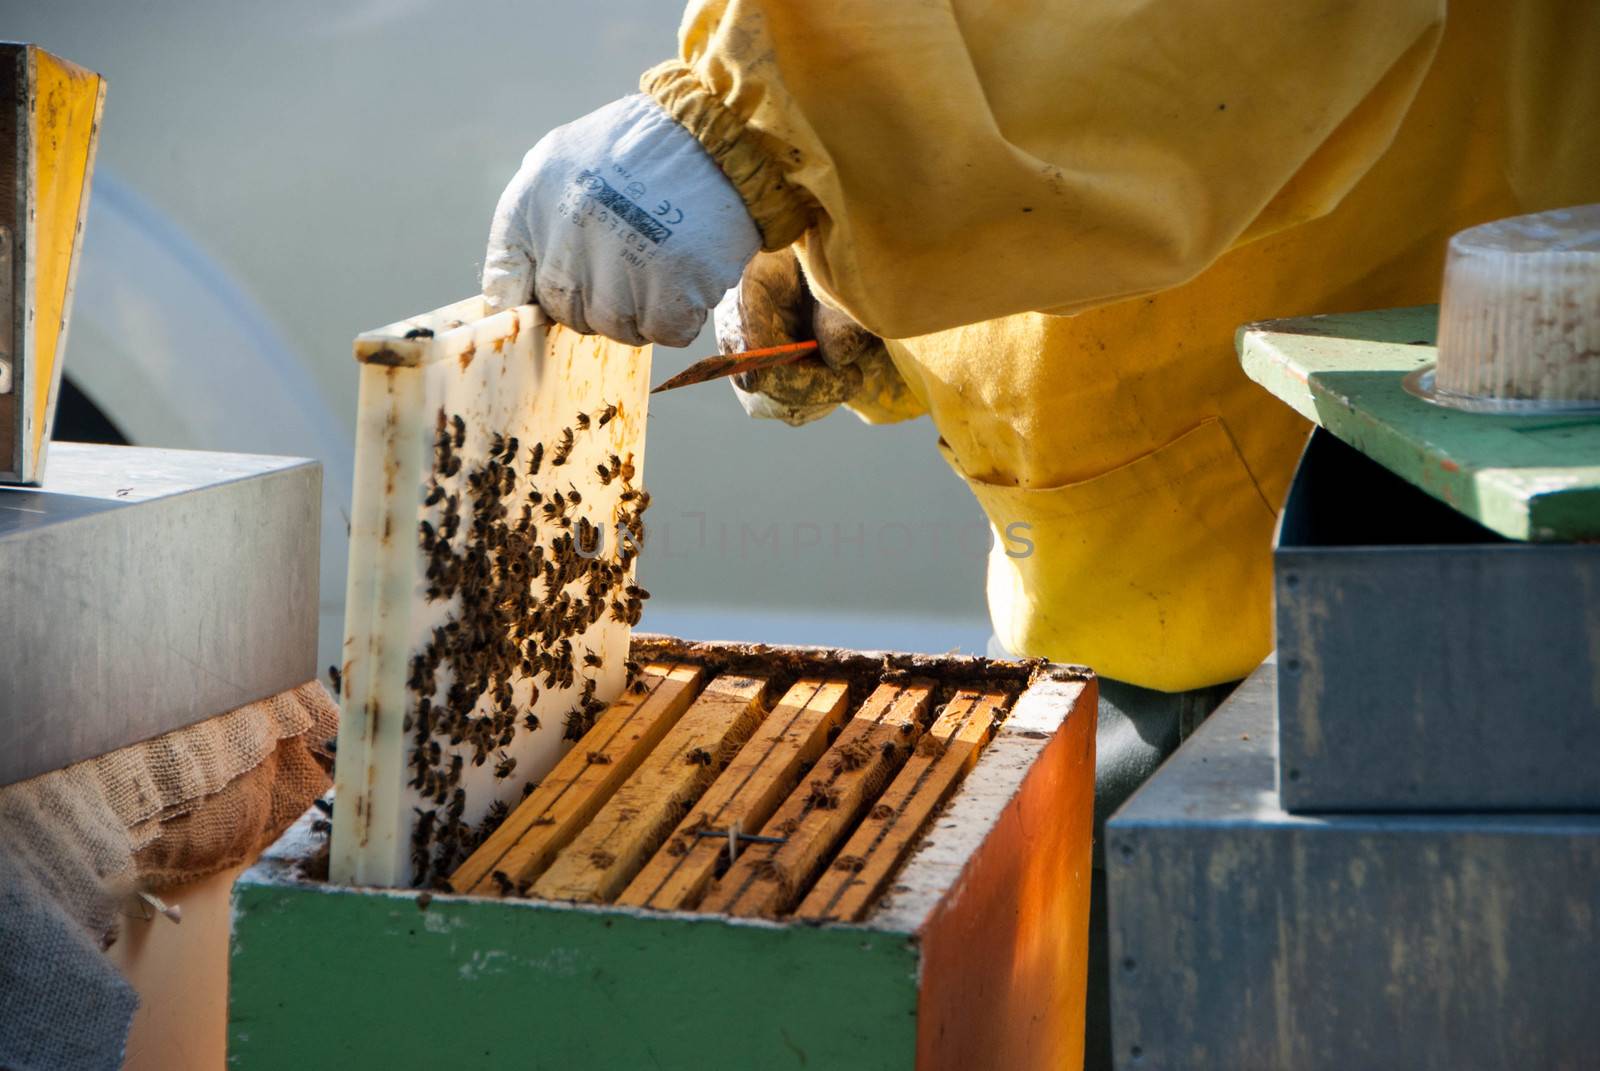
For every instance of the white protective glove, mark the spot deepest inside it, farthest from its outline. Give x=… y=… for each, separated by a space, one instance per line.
x=620 y=224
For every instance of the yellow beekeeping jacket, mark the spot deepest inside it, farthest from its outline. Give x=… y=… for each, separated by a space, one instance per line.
x=1063 y=209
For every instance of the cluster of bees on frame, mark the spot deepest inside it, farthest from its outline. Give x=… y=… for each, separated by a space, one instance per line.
x=507 y=541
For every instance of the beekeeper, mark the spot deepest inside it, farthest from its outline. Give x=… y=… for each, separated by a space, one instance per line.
x=1048 y=219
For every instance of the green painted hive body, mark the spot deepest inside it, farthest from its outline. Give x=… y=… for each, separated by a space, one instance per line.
x=975 y=957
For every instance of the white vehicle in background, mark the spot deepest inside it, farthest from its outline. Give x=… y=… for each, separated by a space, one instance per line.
x=275 y=179
x=165 y=349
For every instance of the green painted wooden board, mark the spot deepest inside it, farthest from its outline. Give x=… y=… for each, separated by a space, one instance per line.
x=318 y=973
x=1525 y=477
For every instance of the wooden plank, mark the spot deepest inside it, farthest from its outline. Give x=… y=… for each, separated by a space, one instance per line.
x=998 y=894
x=605 y=856
x=1525 y=477
x=943 y=757
x=469 y=984
x=749 y=790
x=581 y=783
x=767 y=879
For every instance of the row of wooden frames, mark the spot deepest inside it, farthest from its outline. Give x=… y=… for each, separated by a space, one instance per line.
x=688 y=795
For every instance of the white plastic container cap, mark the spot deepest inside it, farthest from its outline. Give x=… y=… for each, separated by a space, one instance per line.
x=1519 y=326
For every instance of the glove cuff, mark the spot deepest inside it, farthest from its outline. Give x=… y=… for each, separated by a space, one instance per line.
x=781 y=211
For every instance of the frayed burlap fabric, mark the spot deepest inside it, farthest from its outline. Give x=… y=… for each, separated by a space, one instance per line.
x=76 y=843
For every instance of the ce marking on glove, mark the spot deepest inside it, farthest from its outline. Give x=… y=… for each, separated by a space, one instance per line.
x=665 y=210
x=601 y=192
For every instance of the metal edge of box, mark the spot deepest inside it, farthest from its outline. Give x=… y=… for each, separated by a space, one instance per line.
x=14 y=219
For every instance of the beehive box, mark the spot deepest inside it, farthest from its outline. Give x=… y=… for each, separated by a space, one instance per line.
x=1425 y=662
x=915 y=894
x=1244 y=936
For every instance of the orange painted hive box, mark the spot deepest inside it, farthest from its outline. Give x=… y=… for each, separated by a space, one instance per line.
x=756 y=857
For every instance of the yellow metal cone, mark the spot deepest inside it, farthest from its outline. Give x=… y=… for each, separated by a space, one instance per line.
x=49 y=124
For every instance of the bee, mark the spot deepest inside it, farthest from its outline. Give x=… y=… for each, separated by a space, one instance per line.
x=504 y=884
x=504 y=767
x=698 y=757
x=435 y=494
x=583 y=421
x=459 y=426
x=536 y=456
x=451 y=466
x=823 y=796
x=422 y=831
x=510 y=452
x=573 y=496
x=530 y=722
x=606 y=414
x=633 y=668
x=575 y=727
x=323 y=805
x=336 y=678
x=563 y=449
x=497 y=445
x=321 y=827
x=638 y=686
x=591 y=659
x=426 y=535
x=421 y=679
x=604 y=474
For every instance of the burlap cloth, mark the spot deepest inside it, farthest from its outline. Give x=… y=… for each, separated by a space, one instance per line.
x=76 y=843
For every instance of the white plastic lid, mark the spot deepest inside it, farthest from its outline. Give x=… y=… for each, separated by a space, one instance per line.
x=1519 y=324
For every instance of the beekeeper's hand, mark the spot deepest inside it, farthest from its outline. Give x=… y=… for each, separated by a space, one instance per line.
x=619 y=224
x=771 y=306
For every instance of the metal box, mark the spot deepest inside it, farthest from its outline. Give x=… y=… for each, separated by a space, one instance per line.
x=1427 y=663
x=974 y=956
x=147 y=590
x=1243 y=936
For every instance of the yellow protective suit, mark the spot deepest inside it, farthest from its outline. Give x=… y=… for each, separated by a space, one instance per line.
x=1062 y=209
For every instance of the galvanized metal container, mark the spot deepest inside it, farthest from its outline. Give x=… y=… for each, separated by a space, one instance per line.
x=150 y=590
x=1243 y=936
x=1427 y=663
